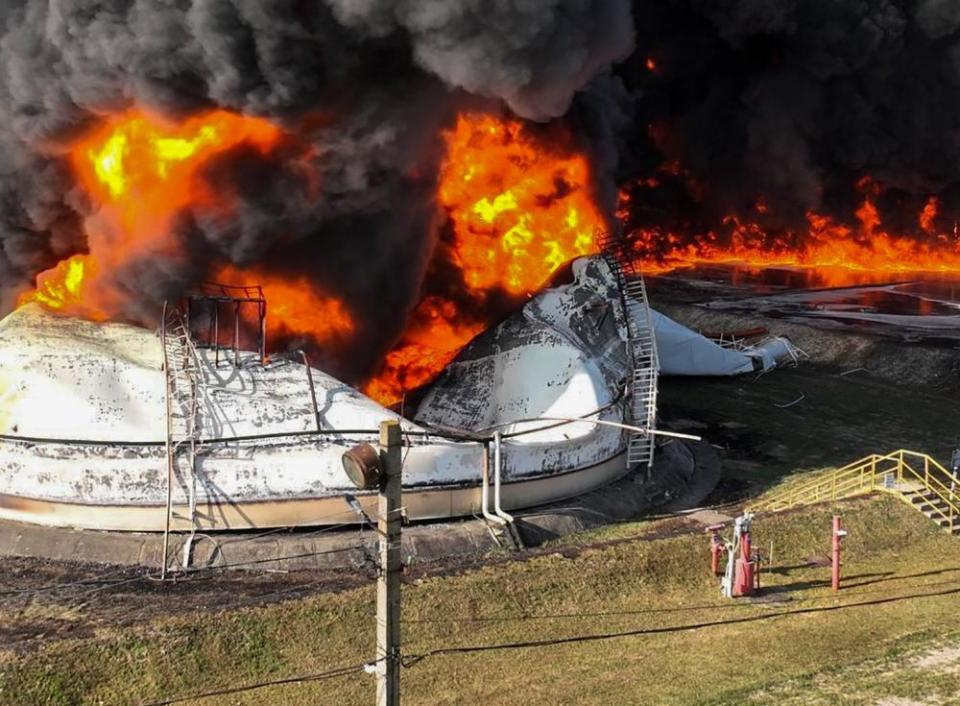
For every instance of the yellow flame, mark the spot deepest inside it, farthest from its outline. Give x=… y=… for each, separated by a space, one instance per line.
x=140 y=171
x=74 y=278
x=61 y=286
x=519 y=210
x=171 y=149
x=108 y=164
x=489 y=210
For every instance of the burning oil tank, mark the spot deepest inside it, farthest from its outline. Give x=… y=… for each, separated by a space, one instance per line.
x=87 y=441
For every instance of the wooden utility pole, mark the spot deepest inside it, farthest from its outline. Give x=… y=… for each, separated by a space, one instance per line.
x=388 y=583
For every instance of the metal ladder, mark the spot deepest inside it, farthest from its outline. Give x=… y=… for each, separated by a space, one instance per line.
x=641 y=344
x=181 y=367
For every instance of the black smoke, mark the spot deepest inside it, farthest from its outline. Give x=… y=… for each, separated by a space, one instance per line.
x=364 y=88
x=792 y=102
x=711 y=104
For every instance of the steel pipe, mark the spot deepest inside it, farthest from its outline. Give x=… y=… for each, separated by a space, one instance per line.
x=497 y=470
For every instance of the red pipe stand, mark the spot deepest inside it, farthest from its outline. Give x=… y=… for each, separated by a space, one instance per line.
x=838 y=534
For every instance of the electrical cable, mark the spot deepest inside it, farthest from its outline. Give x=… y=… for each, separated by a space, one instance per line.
x=727 y=605
x=268 y=560
x=596 y=637
x=104 y=578
x=450 y=433
x=236 y=439
x=331 y=674
x=190 y=573
x=122 y=577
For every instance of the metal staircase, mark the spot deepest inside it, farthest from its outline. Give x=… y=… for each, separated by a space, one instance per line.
x=641 y=343
x=181 y=366
x=915 y=478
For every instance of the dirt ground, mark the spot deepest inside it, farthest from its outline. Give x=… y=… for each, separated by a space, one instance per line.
x=45 y=601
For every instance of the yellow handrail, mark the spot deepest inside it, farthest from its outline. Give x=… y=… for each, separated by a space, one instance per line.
x=901 y=472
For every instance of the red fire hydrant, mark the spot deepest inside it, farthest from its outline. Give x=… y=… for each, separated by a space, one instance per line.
x=744 y=581
x=740 y=576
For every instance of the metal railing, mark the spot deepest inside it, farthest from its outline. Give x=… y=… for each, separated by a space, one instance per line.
x=909 y=475
x=238 y=300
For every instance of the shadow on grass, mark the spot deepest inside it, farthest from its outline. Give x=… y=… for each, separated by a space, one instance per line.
x=821 y=583
x=872 y=578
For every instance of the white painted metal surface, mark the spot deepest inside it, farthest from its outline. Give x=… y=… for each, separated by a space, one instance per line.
x=82 y=411
x=685 y=352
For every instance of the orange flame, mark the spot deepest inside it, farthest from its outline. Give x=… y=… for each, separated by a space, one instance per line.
x=62 y=288
x=520 y=205
x=296 y=306
x=435 y=334
x=519 y=210
x=145 y=167
x=928 y=215
x=139 y=171
x=836 y=254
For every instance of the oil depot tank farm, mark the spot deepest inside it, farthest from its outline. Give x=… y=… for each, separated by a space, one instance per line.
x=84 y=424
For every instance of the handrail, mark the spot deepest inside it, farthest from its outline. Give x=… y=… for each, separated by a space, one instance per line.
x=942 y=491
x=225 y=289
x=792 y=496
x=911 y=472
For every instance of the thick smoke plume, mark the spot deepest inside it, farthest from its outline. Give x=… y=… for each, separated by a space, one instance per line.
x=717 y=106
x=793 y=102
x=363 y=87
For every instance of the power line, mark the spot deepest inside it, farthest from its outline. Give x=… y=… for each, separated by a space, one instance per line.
x=548 y=642
x=209 y=569
x=596 y=637
x=589 y=612
x=269 y=560
x=528 y=617
x=331 y=674
x=93 y=581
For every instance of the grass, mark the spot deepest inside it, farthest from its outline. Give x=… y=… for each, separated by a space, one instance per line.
x=901 y=594
x=919 y=674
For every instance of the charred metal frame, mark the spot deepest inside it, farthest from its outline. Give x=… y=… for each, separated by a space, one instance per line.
x=215 y=295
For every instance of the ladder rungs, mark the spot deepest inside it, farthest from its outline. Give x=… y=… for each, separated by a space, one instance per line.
x=641 y=342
